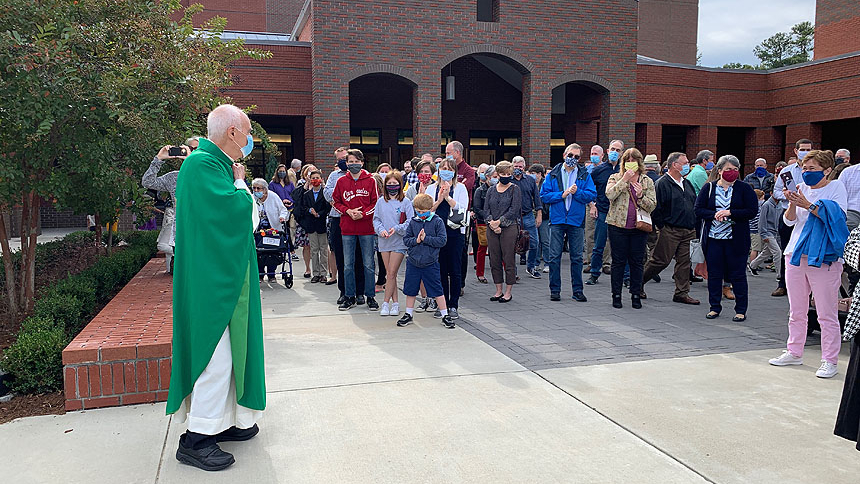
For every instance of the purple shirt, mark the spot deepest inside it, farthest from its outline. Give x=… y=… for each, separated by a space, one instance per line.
x=284 y=192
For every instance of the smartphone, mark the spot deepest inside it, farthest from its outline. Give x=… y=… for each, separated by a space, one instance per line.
x=787 y=180
x=176 y=151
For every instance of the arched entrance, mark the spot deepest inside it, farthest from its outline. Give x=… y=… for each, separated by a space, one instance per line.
x=482 y=105
x=380 y=118
x=578 y=108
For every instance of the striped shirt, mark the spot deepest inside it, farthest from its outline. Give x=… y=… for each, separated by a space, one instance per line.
x=722 y=199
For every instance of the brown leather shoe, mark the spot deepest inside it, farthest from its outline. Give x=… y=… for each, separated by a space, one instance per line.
x=686 y=300
x=727 y=293
x=779 y=292
x=607 y=270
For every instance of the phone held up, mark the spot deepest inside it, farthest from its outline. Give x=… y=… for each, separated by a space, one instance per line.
x=787 y=180
x=176 y=151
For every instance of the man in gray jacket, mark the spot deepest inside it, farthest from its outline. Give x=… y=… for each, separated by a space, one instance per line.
x=768 y=228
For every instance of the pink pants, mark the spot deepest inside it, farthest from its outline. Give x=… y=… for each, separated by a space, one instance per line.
x=824 y=284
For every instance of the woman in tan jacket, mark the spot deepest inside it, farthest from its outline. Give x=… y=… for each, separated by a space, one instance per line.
x=628 y=192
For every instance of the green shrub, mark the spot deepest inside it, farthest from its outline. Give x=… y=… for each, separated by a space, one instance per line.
x=80 y=286
x=36 y=358
x=66 y=311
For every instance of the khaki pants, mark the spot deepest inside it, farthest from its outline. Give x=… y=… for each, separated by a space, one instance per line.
x=319 y=254
x=672 y=243
x=589 y=243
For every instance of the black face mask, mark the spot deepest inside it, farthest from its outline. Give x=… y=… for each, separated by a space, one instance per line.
x=504 y=180
x=341 y=164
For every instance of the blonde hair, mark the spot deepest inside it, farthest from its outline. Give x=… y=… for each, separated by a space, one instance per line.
x=505 y=167
x=422 y=202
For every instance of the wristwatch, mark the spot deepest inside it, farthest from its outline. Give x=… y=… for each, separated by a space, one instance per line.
x=812 y=207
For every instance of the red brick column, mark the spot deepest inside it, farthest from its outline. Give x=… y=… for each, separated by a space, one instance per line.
x=617 y=116
x=763 y=143
x=537 y=119
x=653 y=140
x=427 y=116
x=701 y=138
x=794 y=132
x=331 y=116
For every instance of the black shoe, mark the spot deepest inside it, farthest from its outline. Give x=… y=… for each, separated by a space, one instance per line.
x=271 y=278
x=495 y=298
x=626 y=282
x=533 y=273
x=209 y=458
x=372 y=304
x=522 y=262
x=307 y=275
x=696 y=279
x=636 y=301
x=359 y=300
x=616 y=301
x=555 y=297
x=656 y=278
x=503 y=300
x=753 y=271
x=235 y=434
x=405 y=320
x=448 y=322
x=591 y=281
x=579 y=297
x=340 y=300
x=347 y=304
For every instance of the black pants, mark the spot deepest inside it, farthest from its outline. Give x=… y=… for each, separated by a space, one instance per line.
x=784 y=235
x=628 y=248
x=725 y=264
x=450 y=265
x=335 y=241
x=380 y=265
x=268 y=264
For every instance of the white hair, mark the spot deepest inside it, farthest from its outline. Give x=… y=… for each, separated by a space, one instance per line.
x=760 y=159
x=599 y=148
x=221 y=118
x=193 y=139
x=296 y=163
x=259 y=182
x=518 y=159
x=843 y=151
x=616 y=141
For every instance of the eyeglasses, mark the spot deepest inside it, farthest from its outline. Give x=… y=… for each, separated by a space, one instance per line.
x=258 y=189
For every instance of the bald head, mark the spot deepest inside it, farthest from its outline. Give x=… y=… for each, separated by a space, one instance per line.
x=228 y=126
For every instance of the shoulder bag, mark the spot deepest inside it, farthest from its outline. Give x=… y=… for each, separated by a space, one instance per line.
x=523 y=239
x=643 y=218
x=697 y=252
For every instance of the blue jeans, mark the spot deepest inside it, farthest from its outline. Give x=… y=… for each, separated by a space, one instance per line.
x=576 y=239
x=600 y=231
x=367 y=244
x=543 y=234
x=530 y=225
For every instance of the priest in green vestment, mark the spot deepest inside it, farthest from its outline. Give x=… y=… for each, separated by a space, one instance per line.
x=217 y=379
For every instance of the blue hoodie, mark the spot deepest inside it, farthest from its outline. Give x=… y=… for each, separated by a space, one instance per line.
x=426 y=253
x=551 y=192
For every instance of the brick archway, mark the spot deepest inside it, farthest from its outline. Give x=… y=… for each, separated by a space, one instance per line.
x=520 y=61
x=583 y=78
x=413 y=78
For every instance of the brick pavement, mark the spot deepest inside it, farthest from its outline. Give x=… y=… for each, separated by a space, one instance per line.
x=541 y=334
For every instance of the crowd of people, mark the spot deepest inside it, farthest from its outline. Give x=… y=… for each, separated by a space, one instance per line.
x=617 y=213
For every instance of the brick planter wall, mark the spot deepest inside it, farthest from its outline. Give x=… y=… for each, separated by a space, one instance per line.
x=122 y=357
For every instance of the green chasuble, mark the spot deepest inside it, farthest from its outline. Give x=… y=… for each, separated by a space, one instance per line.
x=215 y=279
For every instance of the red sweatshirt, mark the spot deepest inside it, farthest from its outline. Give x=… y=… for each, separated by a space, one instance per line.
x=350 y=193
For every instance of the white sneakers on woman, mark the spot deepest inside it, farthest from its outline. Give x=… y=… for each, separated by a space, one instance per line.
x=826 y=370
x=392 y=309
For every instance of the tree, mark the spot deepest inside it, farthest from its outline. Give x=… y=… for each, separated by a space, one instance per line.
x=804 y=34
x=786 y=48
x=89 y=87
x=738 y=65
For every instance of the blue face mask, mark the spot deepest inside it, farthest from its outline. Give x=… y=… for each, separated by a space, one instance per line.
x=761 y=172
x=341 y=164
x=425 y=216
x=534 y=177
x=493 y=181
x=685 y=169
x=801 y=155
x=446 y=175
x=614 y=156
x=570 y=161
x=482 y=176
x=518 y=172
x=249 y=146
x=595 y=159
x=709 y=166
x=812 y=178
x=258 y=195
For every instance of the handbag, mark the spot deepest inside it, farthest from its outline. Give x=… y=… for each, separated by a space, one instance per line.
x=697 y=251
x=482 y=235
x=643 y=218
x=523 y=239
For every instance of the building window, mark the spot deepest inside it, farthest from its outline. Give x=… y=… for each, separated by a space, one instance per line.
x=488 y=10
x=447 y=137
x=364 y=137
x=404 y=137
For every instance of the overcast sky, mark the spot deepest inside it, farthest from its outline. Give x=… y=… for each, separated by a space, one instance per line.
x=730 y=29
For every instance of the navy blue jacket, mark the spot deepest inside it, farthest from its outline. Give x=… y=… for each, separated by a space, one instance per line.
x=552 y=189
x=426 y=253
x=600 y=174
x=744 y=207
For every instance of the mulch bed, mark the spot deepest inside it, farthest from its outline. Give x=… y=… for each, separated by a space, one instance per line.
x=31 y=405
x=76 y=260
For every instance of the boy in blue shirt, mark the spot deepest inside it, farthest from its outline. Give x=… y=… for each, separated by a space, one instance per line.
x=425 y=235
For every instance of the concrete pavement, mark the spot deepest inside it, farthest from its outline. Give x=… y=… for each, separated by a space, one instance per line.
x=352 y=398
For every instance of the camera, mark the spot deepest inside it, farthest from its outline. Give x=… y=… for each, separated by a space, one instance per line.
x=176 y=151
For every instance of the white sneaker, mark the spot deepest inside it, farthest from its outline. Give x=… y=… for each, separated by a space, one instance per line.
x=395 y=309
x=786 y=359
x=826 y=370
x=384 y=311
x=546 y=269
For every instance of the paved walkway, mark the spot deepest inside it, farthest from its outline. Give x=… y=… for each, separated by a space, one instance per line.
x=352 y=398
x=47 y=235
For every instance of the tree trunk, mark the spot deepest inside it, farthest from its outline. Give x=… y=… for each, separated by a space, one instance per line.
x=98 y=222
x=25 y=243
x=29 y=263
x=8 y=266
x=110 y=239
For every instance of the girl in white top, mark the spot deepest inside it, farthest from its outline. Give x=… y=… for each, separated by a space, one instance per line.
x=823 y=282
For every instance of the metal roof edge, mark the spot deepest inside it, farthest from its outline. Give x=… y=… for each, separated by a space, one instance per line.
x=648 y=61
x=304 y=16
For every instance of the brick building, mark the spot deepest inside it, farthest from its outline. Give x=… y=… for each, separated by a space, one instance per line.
x=398 y=79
